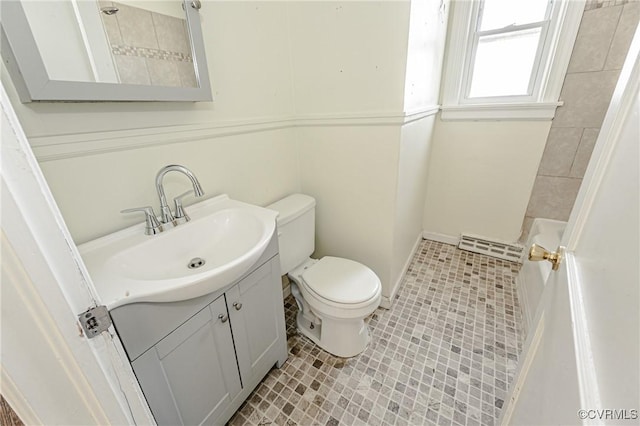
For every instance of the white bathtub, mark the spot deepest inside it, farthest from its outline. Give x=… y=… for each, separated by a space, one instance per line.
x=533 y=275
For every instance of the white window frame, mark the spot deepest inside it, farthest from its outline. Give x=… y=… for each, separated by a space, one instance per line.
x=550 y=66
x=472 y=49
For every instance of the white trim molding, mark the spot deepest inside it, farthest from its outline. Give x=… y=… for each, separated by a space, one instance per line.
x=56 y=147
x=502 y=111
x=419 y=114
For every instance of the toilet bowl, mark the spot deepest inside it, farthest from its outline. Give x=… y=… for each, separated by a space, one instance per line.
x=334 y=295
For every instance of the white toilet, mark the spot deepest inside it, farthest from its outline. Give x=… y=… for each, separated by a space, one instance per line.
x=334 y=295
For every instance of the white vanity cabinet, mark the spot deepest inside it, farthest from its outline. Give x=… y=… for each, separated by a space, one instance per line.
x=197 y=360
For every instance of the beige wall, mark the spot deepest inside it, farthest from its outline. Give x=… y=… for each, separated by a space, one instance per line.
x=480 y=177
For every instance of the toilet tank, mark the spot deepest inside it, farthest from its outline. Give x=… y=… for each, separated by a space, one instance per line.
x=296 y=229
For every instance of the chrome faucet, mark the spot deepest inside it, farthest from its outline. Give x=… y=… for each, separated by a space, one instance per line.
x=165 y=212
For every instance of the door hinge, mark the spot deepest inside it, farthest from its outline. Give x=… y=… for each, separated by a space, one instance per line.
x=95 y=320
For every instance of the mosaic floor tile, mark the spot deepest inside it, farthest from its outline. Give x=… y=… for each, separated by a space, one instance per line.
x=444 y=354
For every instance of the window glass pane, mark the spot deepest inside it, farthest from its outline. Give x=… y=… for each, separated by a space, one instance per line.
x=504 y=63
x=501 y=13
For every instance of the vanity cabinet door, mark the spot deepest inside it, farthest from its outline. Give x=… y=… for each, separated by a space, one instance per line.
x=257 y=320
x=191 y=376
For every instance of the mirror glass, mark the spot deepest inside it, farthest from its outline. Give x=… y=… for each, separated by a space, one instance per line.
x=124 y=50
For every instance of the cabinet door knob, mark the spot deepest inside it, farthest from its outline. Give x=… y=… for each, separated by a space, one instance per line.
x=223 y=317
x=237 y=305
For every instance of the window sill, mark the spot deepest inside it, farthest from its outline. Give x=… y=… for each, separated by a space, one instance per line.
x=538 y=111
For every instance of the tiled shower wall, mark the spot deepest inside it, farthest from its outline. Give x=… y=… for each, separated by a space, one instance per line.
x=602 y=44
x=149 y=48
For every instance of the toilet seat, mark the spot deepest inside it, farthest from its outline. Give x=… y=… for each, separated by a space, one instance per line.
x=341 y=281
x=324 y=288
x=337 y=327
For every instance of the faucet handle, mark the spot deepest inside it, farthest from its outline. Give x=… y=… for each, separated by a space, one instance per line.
x=181 y=216
x=152 y=226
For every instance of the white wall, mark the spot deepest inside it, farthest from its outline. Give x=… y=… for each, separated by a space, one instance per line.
x=426 y=45
x=481 y=175
x=348 y=57
x=170 y=8
x=413 y=163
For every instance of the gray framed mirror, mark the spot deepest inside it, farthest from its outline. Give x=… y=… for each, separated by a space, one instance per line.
x=98 y=50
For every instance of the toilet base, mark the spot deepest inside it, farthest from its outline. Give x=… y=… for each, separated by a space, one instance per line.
x=343 y=338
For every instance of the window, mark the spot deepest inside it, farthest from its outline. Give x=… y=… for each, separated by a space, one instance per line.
x=506 y=59
x=509 y=33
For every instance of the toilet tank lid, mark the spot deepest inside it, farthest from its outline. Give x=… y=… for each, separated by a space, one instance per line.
x=291 y=207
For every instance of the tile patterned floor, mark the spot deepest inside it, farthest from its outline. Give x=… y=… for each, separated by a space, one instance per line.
x=443 y=354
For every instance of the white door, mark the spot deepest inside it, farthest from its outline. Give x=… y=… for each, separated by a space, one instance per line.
x=50 y=373
x=580 y=363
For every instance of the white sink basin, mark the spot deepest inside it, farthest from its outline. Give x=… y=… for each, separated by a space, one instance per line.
x=221 y=242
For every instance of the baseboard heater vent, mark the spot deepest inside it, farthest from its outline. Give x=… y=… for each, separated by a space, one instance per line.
x=511 y=252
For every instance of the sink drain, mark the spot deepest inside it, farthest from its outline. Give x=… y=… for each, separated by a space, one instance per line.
x=195 y=263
